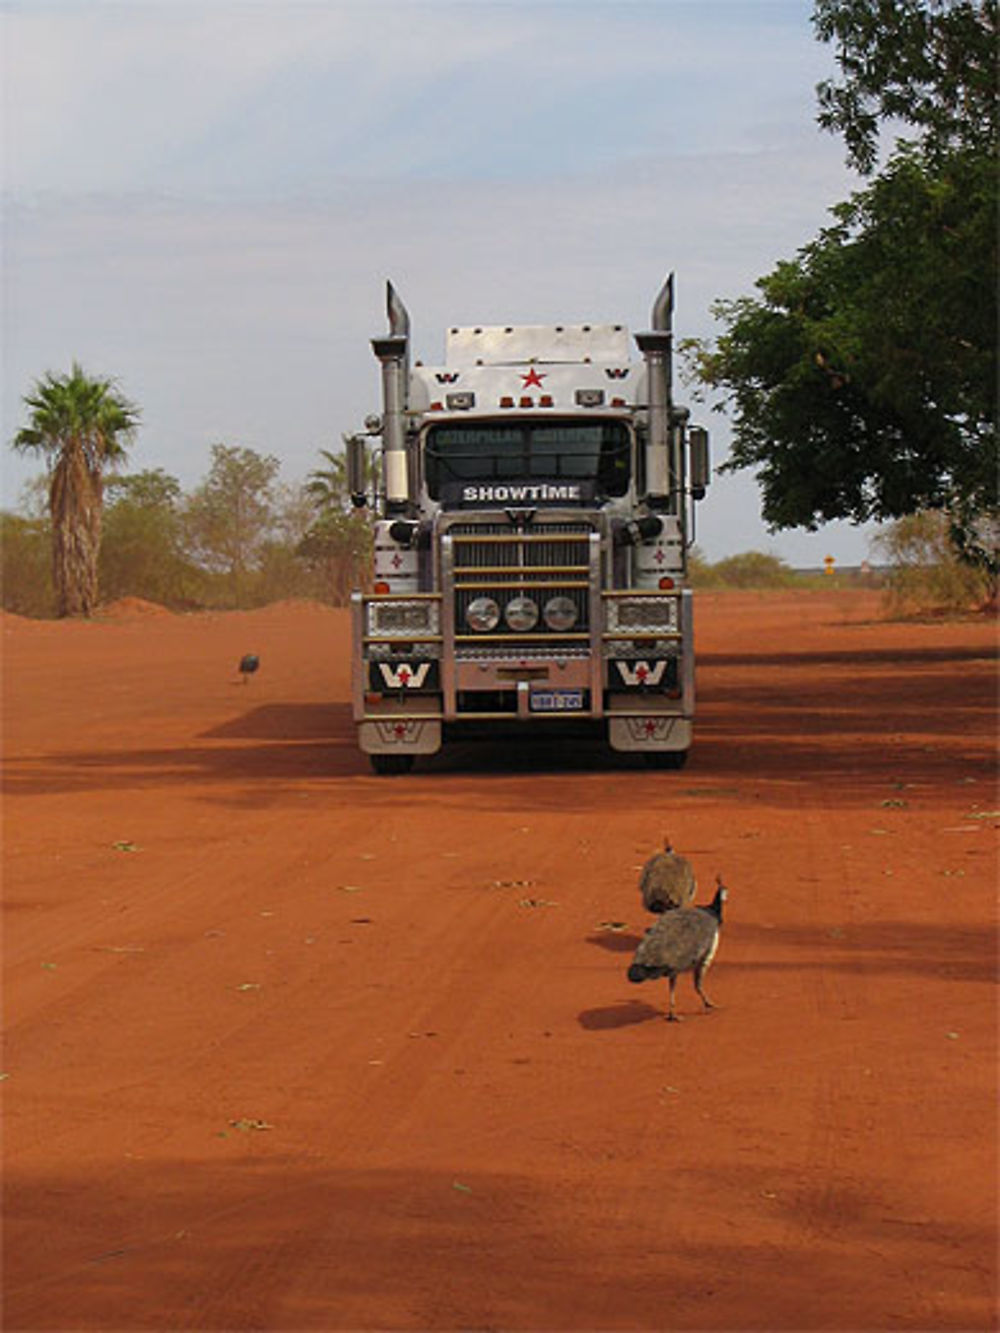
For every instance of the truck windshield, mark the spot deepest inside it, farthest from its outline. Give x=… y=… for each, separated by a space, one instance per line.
x=555 y=450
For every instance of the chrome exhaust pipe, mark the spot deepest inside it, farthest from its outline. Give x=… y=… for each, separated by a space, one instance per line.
x=393 y=352
x=657 y=350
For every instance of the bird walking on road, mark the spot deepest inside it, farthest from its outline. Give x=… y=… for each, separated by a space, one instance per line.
x=667 y=881
x=684 y=940
x=248 y=665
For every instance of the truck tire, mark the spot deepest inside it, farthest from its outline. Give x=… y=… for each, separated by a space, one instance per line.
x=386 y=765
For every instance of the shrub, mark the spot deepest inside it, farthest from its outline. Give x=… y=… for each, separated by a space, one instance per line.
x=925 y=572
x=754 y=569
x=700 y=573
x=26 y=574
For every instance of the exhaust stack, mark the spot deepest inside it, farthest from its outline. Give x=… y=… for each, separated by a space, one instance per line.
x=393 y=353
x=657 y=350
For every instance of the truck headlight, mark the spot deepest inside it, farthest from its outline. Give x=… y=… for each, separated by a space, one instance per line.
x=482 y=614
x=402 y=618
x=560 y=613
x=521 y=614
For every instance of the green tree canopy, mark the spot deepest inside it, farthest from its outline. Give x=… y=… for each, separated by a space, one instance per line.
x=81 y=426
x=927 y=64
x=228 y=519
x=862 y=378
x=142 y=552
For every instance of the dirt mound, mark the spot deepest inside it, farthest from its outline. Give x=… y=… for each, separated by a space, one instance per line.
x=127 y=608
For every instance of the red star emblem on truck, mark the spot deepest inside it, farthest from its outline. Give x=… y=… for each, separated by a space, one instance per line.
x=532 y=379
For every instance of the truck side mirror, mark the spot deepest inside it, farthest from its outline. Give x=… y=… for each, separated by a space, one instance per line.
x=701 y=468
x=356 y=457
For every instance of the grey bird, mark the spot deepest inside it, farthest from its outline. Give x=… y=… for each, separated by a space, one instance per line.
x=684 y=940
x=667 y=881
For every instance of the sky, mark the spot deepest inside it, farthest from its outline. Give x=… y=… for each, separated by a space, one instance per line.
x=203 y=199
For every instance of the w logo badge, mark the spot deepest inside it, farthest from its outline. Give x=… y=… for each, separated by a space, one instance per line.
x=446 y=376
x=404 y=677
x=616 y=372
x=641 y=674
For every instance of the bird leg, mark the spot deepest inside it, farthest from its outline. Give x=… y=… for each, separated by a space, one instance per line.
x=699 y=972
x=671 y=1016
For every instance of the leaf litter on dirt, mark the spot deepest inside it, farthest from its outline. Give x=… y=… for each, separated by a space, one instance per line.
x=536 y=902
x=248 y=1125
x=125 y=846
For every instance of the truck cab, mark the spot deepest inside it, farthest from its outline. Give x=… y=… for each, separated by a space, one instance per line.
x=531 y=539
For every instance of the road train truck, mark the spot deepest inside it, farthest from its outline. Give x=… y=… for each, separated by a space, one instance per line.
x=533 y=516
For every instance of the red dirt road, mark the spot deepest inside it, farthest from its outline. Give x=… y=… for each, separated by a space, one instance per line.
x=294 y=1047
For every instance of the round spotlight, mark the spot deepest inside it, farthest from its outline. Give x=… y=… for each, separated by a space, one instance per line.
x=560 y=613
x=482 y=614
x=521 y=614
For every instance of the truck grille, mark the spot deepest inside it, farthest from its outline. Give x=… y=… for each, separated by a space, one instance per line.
x=502 y=562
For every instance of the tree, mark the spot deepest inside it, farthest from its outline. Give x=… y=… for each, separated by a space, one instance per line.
x=142 y=553
x=338 y=545
x=929 y=64
x=81 y=426
x=862 y=380
x=863 y=377
x=327 y=487
x=229 y=517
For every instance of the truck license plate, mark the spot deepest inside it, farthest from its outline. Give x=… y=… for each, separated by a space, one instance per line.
x=556 y=701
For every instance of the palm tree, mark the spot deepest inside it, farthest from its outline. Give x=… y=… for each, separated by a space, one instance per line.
x=339 y=543
x=79 y=425
x=327 y=487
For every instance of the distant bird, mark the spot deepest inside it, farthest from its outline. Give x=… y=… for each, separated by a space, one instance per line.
x=667 y=881
x=684 y=940
x=248 y=665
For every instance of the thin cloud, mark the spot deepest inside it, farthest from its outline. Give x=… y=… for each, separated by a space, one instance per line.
x=253 y=97
x=204 y=200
